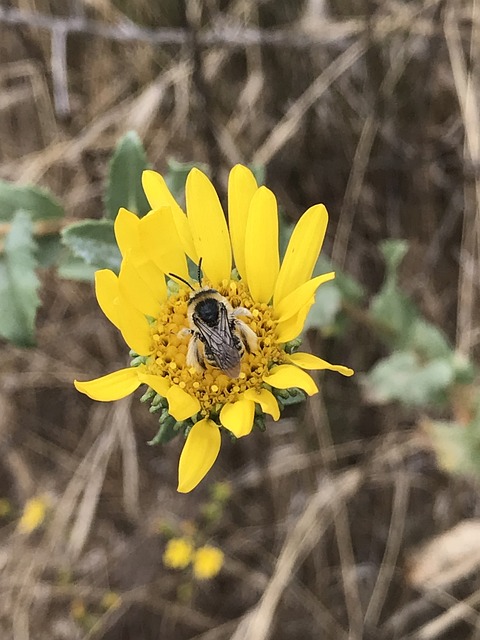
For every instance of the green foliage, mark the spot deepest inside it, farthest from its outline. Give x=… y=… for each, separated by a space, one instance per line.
x=19 y=283
x=94 y=242
x=166 y=431
x=258 y=171
x=392 y=310
x=73 y=268
x=423 y=367
x=351 y=291
x=403 y=377
x=49 y=250
x=328 y=303
x=124 y=182
x=25 y=208
x=288 y=397
x=40 y=204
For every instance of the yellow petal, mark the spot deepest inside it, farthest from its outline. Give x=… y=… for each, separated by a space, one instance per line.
x=297 y=299
x=265 y=399
x=106 y=290
x=241 y=187
x=153 y=277
x=261 y=245
x=293 y=327
x=135 y=328
x=126 y=229
x=136 y=290
x=286 y=376
x=209 y=227
x=302 y=251
x=113 y=386
x=198 y=455
x=157 y=383
x=158 y=195
x=309 y=361
x=238 y=416
x=181 y=405
x=161 y=242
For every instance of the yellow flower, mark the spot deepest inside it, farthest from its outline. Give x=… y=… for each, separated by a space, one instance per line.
x=178 y=553
x=207 y=562
x=151 y=308
x=33 y=514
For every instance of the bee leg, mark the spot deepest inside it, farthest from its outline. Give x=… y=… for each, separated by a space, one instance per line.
x=184 y=332
x=241 y=311
x=247 y=335
x=194 y=358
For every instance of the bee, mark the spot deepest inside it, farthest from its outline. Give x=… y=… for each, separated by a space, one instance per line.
x=218 y=336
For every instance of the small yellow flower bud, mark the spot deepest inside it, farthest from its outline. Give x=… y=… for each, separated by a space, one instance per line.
x=33 y=514
x=110 y=599
x=207 y=562
x=178 y=553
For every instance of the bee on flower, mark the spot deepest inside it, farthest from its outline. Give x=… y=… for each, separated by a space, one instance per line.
x=216 y=348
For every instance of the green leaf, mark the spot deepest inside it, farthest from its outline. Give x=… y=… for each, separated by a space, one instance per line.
x=391 y=308
x=328 y=302
x=464 y=369
x=351 y=290
x=38 y=202
x=19 y=283
x=94 y=241
x=404 y=378
x=124 y=183
x=176 y=176
x=395 y=314
x=49 y=250
x=72 y=268
x=258 y=171
x=428 y=341
x=393 y=252
x=168 y=429
x=288 y=397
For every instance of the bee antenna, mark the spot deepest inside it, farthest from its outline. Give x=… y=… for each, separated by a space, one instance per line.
x=200 y=271
x=173 y=275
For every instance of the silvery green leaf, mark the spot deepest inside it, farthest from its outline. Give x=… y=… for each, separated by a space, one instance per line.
x=19 y=283
x=404 y=378
x=39 y=203
x=94 y=242
x=124 y=182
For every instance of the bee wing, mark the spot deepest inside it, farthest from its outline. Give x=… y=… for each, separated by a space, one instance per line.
x=219 y=343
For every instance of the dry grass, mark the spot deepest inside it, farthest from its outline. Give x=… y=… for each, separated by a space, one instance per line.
x=370 y=106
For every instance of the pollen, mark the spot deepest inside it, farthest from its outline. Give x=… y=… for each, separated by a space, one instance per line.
x=212 y=387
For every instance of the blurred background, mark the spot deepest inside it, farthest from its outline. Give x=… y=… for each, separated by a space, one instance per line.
x=357 y=516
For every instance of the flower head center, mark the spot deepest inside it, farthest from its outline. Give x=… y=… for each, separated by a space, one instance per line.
x=212 y=386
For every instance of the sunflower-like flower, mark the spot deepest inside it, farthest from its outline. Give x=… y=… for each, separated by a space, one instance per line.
x=264 y=305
